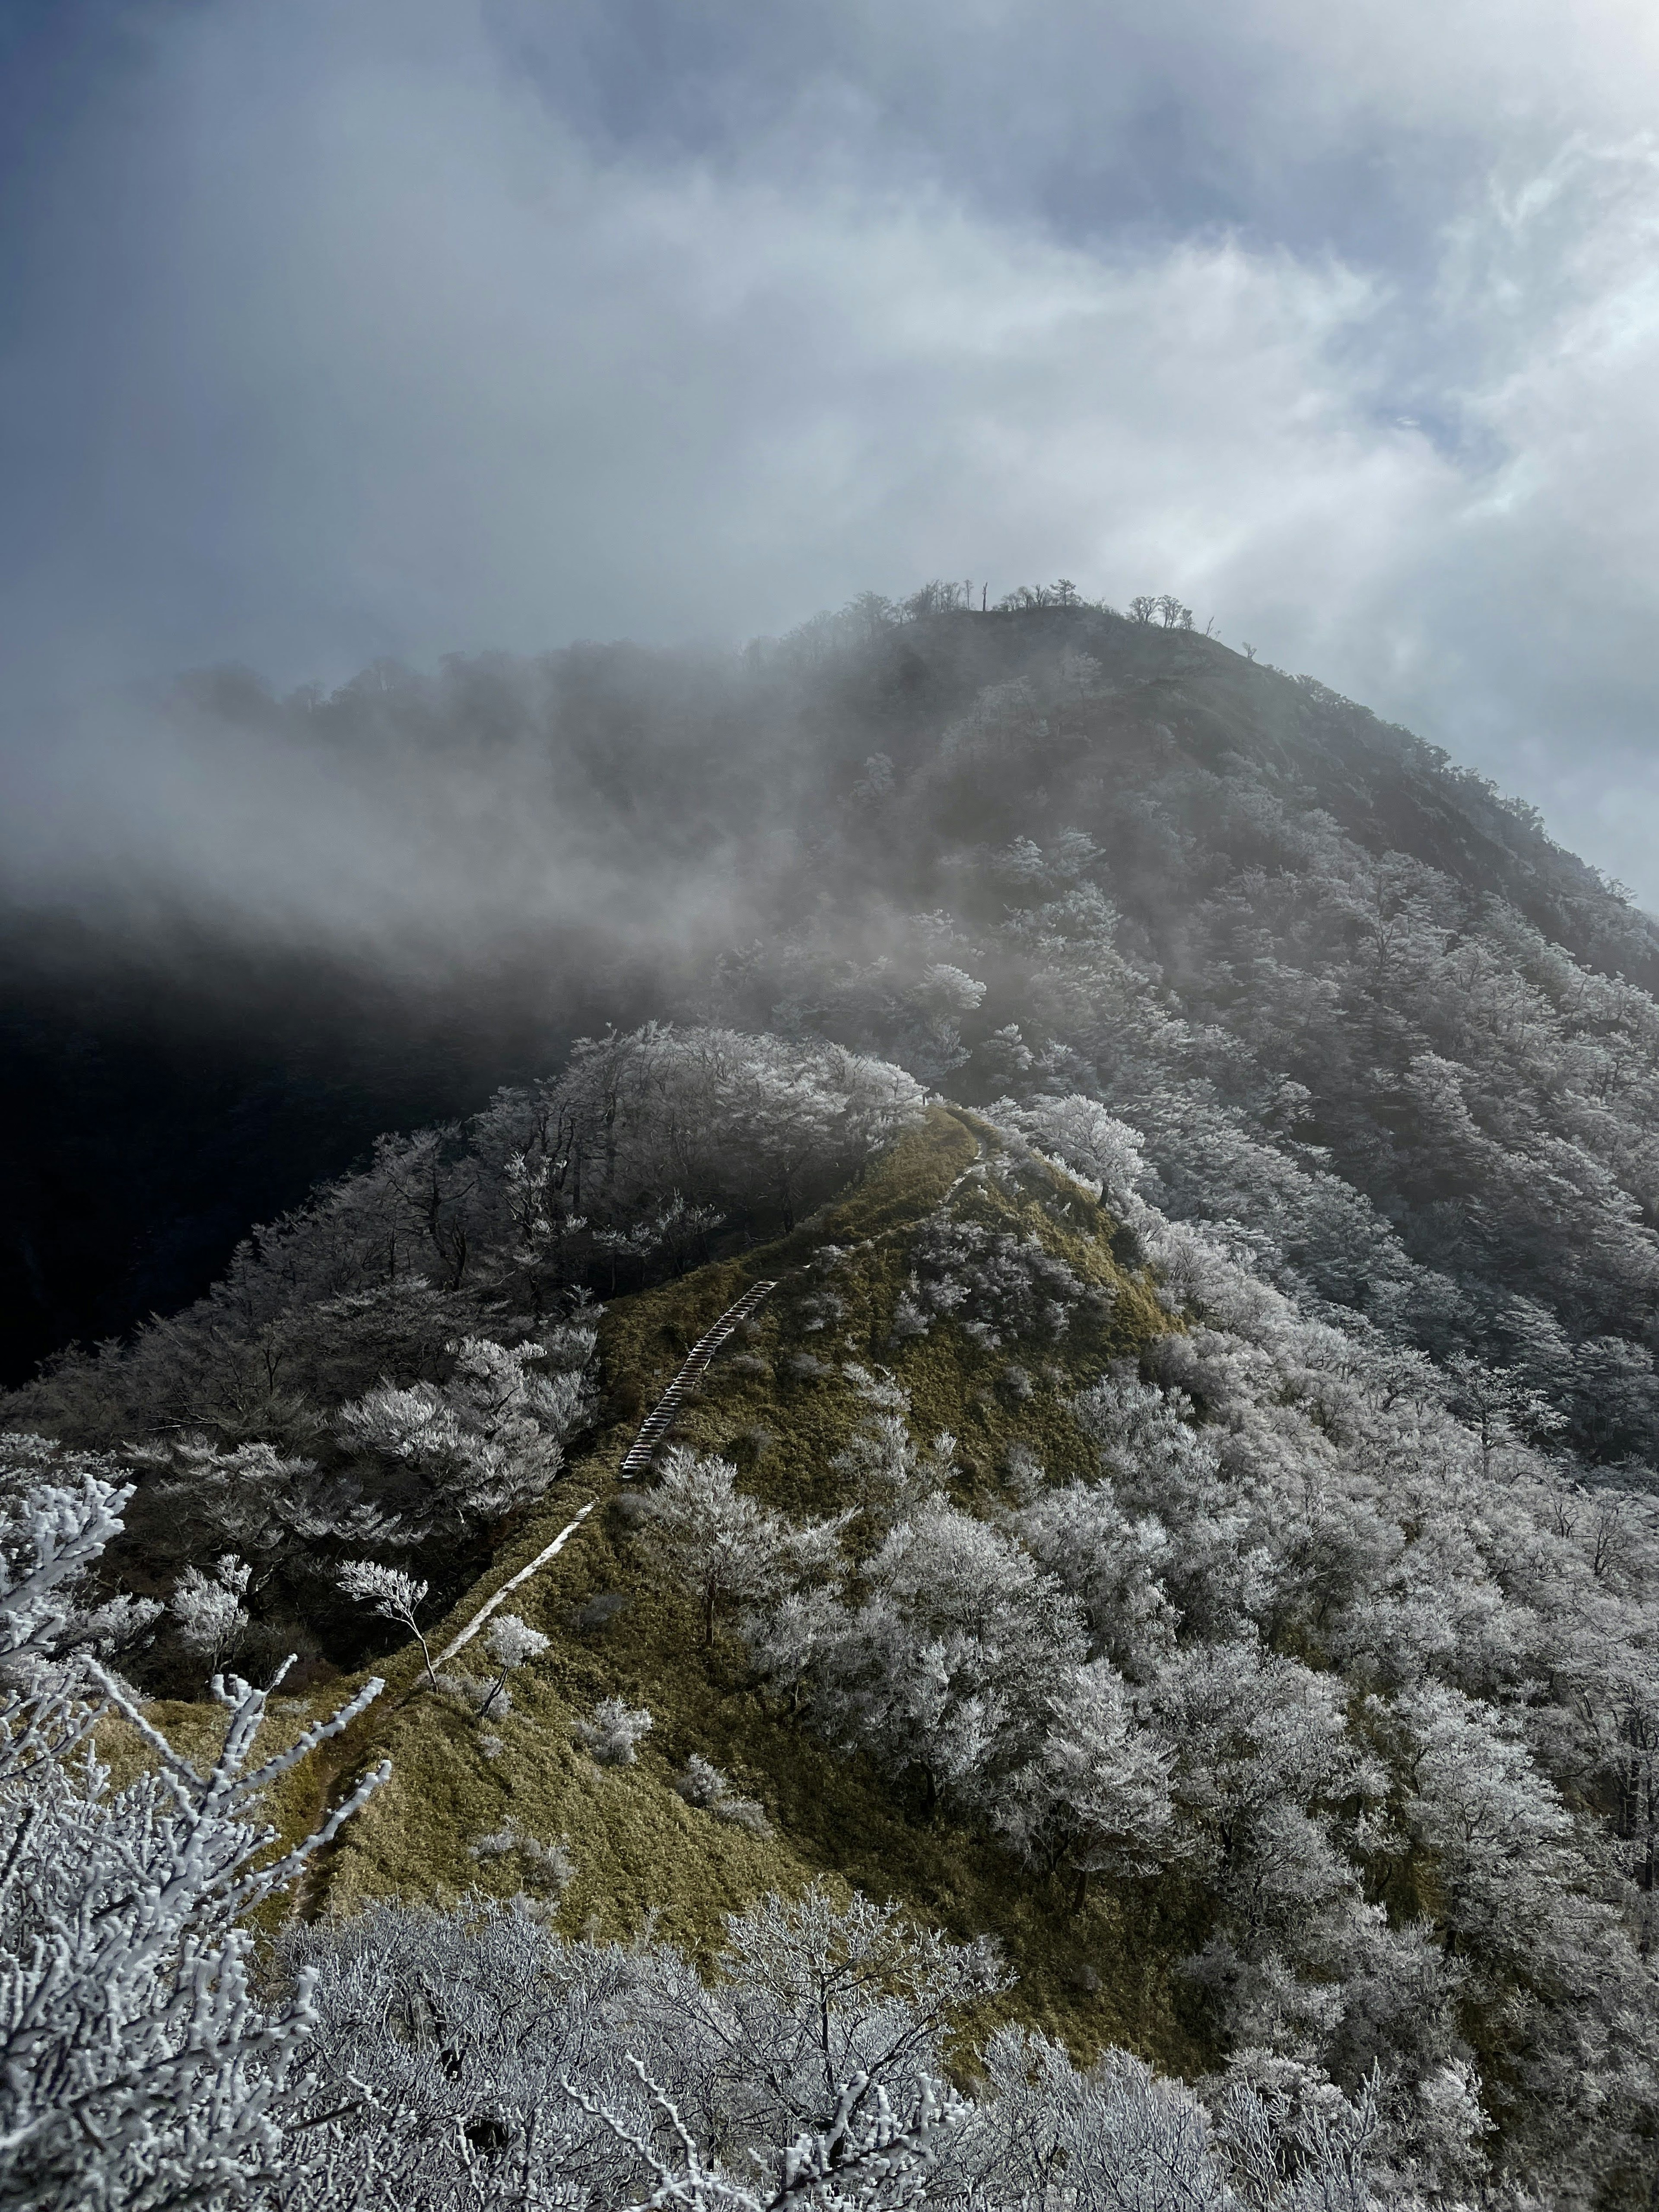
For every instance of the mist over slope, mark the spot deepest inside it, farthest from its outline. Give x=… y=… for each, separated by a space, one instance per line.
x=1358 y=1003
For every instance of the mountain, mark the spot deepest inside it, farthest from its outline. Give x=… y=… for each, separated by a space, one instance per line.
x=1182 y=1511
x=1357 y=1004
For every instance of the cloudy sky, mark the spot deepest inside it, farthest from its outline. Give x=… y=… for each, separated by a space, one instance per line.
x=331 y=328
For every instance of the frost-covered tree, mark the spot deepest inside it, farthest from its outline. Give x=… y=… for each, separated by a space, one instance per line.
x=1114 y=1562
x=51 y=1537
x=268 y=1507
x=511 y=1643
x=489 y=1439
x=813 y=1995
x=394 y=1595
x=703 y=1785
x=1097 y=1793
x=208 y=1609
x=941 y=1658
x=482 y=2052
x=1084 y=1138
x=708 y=1114
x=702 y=1538
x=137 y=2069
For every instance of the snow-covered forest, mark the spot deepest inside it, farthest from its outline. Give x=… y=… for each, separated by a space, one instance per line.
x=1195 y=1469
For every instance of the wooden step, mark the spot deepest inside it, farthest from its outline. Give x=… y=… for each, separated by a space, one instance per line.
x=661 y=1417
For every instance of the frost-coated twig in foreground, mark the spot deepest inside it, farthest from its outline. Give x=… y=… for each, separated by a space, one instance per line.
x=136 y=2071
x=226 y=1794
x=865 y=2142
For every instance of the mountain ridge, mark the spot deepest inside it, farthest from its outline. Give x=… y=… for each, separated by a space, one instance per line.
x=641 y=1853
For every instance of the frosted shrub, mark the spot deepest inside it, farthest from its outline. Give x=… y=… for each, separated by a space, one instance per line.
x=488 y=1439
x=995 y=1285
x=881 y=1465
x=541 y=1867
x=707 y=1788
x=599 y=1611
x=470 y=1691
x=823 y=1304
x=209 y=1609
x=806 y=1367
x=614 y=1734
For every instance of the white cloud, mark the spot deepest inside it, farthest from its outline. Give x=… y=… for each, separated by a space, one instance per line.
x=396 y=356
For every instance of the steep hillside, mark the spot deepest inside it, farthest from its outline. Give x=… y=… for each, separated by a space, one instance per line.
x=1274 y=1700
x=779 y=1407
x=1359 y=1008
x=1185 y=1515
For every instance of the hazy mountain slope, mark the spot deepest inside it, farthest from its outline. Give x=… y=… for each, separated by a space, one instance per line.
x=1356 y=1002
x=1306 y=958
x=1167 y=701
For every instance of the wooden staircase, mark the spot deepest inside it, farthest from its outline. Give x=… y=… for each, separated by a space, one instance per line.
x=664 y=1414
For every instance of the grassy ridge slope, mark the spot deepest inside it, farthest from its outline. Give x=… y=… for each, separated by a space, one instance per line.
x=1103 y=1973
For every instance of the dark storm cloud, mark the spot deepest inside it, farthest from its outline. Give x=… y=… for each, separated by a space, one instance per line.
x=395 y=329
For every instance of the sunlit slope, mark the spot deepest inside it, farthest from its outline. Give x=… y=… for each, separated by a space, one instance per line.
x=777 y=1403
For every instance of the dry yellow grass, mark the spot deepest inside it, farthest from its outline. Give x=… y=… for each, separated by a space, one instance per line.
x=1103 y=1974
